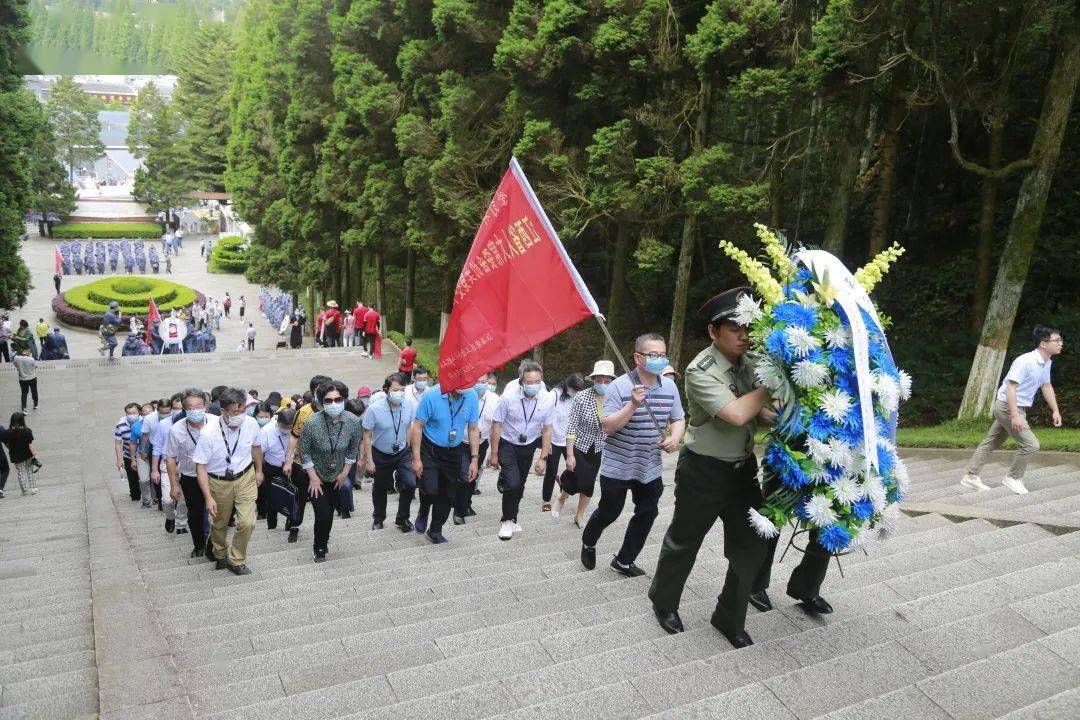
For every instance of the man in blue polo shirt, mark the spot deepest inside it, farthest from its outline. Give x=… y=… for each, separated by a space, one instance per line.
x=386 y=451
x=631 y=456
x=441 y=455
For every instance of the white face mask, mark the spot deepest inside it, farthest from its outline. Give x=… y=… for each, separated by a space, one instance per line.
x=236 y=421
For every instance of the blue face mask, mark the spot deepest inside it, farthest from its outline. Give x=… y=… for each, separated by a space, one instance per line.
x=421 y=385
x=132 y=419
x=656 y=365
x=196 y=416
x=262 y=421
x=600 y=389
x=334 y=408
x=530 y=390
x=481 y=389
x=396 y=396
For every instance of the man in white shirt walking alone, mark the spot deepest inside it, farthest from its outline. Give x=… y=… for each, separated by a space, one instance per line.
x=1028 y=374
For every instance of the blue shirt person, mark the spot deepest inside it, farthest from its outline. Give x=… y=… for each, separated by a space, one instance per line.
x=441 y=457
x=386 y=454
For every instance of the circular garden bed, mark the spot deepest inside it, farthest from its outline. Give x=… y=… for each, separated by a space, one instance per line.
x=85 y=305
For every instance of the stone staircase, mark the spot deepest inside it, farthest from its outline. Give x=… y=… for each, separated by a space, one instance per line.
x=954 y=617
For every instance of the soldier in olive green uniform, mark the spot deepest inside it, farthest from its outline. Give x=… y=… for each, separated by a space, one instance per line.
x=716 y=476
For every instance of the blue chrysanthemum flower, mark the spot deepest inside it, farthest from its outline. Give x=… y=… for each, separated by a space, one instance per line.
x=842 y=360
x=800 y=510
x=863 y=509
x=886 y=460
x=848 y=383
x=776 y=345
x=794 y=425
x=817 y=356
x=794 y=287
x=834 y=473
x=851 y=435
x=834 y=538
x=853 y=418
x=871 y=324
x=794 y=314
x=894 y=496
x=821 y=427
x=794 y=477
x=777 y=458
x=803 y=275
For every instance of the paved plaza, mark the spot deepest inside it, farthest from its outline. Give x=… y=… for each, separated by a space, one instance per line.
x=188 y=269
x=958 y=616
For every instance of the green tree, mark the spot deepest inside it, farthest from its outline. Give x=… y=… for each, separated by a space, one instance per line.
x=204 y=69
x=150 y=118
x=50 y=192
x=17 y=119
x=75 y=122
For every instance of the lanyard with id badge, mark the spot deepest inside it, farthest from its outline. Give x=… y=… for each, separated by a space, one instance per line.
x=229 y=475
x=452 y=435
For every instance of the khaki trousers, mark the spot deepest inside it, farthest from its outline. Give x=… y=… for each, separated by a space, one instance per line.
x=995 y=438
x=240 y=493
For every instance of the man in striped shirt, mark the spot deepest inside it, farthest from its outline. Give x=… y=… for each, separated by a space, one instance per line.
x=122 y=447
x=631 y=457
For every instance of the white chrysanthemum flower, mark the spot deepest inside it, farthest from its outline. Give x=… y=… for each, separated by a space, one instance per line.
x=820 y=511
x=890 y=518
x=808 y=374
x=886 y=443
x=838 y=337
x=866 y=536
x=762 y=525
x=847 y=490
x=747 y=311
x=817 y=450
x=887 y=390
x=903 y=480
x=801 y=341
x=817 y=473
x=769 y=373
x=836 y=404
x=905 y=386
x=839 y=454
x=875 y=491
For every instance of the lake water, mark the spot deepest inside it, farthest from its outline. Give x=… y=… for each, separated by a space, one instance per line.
x=42 y=60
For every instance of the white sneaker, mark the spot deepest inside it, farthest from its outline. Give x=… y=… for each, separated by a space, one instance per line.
x=506 y=530
x=974 y=482
x=33 y=491
x=1017 y=486
x=517 y=528
x=554 y=514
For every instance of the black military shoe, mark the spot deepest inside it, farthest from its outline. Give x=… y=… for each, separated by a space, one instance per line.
x=222 y=564
x=629 y=570
x=404 y=525
x=377 y=525
x=293 y=533
x=669 y=620
x=588 y=557
x=470 y=512
x=320 y=556
x=197 y=552
x=458 y=520
x=815 y=605
x=761 y=601
x=739 y=639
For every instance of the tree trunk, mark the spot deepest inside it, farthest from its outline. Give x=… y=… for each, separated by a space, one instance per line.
x=449 y=282
x=311 y=309
x=890 y=146
x=987 y=207
x=410 y=292
x=616 y=311
x=380 y=287
x=847 y=169
x=689 y=238
x=338 y=287
x=538 y=356
x=1024 y=227
x=41 y=228
x=362 y=283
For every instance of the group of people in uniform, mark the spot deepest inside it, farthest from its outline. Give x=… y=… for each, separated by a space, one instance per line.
x=235 y=459
x=102 y=256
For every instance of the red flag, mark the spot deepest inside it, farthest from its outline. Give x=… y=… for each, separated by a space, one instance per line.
x=58 y=262
x=152 y=316
x=517 y=289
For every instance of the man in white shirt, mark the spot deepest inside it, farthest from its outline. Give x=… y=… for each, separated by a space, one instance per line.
x=522 y=420
x=228 y=459
x=1028 y=374
x=421 y=384
x=183 y=437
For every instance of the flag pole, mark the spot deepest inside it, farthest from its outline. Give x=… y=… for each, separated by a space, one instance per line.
x=622 y=362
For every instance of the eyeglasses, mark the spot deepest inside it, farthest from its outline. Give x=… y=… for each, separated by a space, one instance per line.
x=653 y=355
x=1060 y=341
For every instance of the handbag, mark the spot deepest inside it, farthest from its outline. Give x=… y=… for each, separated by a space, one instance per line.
x=283 y=497
x=568 y=482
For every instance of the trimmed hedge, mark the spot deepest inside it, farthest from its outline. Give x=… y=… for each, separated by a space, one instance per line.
x=72 y=316
x=85 y=305
x=228 y=256
x=103 y=231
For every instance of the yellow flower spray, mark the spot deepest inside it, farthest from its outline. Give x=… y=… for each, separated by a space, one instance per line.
x=758 y=275
x=871 y=273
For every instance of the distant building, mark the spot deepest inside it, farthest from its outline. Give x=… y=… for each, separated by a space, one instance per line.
x=108 y=88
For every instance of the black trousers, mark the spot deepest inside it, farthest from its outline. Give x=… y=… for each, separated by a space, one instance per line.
x=806 y=579
x=323 y=507
x=5 y=469
x=196 y=510
x=131 y=470
x=4 y=351
x=332 y=338
x=386 y=466
x=551 y=473
x=706 y=490
x=251 y=343
x=444 y=469
x=262 y=503
x=612 y=498
x=28 y=386
x=515 y=462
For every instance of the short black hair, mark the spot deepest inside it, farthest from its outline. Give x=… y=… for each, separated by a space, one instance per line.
x=1042 y=333
x=130 y=405
x=274 y=398
x=253 y=392
x=420 y=370
x=266 y=408
x=573 y=381
x=232 y=396
x=176 y=396
x=192 y=392
x=398 y=377
x=215 y=392
x=408 y=341
x=356 y=406
x=332 y=385
x=647 y=337
x=316 y=381
x=163 y=402
x=286 y=417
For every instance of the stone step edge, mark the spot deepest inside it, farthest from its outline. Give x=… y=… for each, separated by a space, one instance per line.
x=1056 y=524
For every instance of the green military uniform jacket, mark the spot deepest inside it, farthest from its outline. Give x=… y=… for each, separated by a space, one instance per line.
x=711 y=383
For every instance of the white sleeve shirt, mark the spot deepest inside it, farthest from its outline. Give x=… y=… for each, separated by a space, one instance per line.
x=560 y=417
x=1030 y=372
x=522 y=418
x=274 y=443
x=212 y=452
x=487 y=414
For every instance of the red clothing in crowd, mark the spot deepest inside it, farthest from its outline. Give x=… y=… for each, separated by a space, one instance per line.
x=407 y=360
x=371 y=321
x=332 y=320
x=319 y=322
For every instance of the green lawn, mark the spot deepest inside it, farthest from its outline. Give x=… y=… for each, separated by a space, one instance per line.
x=106 y=230
x=427 y=349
